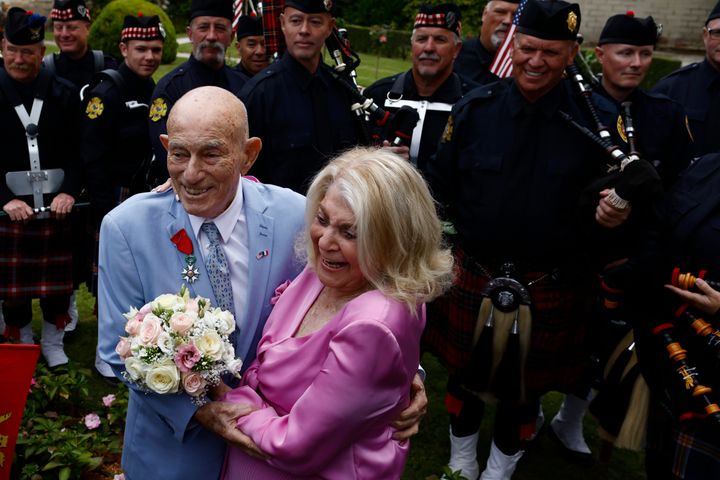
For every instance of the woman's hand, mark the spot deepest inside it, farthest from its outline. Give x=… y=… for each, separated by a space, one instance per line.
x=708 y=300
x=164 y=187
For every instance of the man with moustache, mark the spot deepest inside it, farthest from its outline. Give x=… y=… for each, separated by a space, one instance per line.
x=477 y=54
x=38 y=112
x=509 y=173
x=300 y=111
x=76 y=62
x=251 y=46
x=210 y=32
x=430 y=86
x=697 y=88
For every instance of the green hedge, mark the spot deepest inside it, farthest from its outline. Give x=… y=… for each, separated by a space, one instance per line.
x=660 y=67
x=365 y=40
x=106 y=28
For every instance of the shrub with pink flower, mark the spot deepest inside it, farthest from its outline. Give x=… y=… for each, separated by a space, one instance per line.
x=92 y=421
x=176 y=344
x=108 y=400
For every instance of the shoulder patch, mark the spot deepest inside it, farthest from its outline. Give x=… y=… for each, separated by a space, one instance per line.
x=621 y=129
x=94 y=108
x=158 y=109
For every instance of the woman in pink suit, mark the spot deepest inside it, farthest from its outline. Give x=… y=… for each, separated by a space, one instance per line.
x=341 y=347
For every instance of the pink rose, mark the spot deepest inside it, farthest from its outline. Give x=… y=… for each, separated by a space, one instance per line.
x=142 y=313
x=108 y=400
x=186 y=357
x=192 y=305
x=279 y=291
x=193 y=383
x=123 y=348
x=92 y=421
x=181 y=322
x=132 y=327
x=150 y=329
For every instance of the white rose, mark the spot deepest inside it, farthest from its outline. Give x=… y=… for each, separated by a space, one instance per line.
x=210 y=344
x=234 y=366
x=135 y=367
x=163 y=377
x=168 y=301
x=166 y=343
x=228 y=353
x=131 y=314
x=225 y=321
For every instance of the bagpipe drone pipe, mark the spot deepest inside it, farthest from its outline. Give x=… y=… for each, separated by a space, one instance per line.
x=630 y=178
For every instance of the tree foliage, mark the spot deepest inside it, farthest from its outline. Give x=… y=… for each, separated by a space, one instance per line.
x=106 y=28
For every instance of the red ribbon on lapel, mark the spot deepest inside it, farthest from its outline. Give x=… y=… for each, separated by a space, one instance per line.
x=182 y=242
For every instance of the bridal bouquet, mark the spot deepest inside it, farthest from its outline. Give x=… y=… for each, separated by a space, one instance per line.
x=177 y=343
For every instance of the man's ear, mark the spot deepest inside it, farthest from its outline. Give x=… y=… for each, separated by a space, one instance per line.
x=164 y=140
x=253 y=145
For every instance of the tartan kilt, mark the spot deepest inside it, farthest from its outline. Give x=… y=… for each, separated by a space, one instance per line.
x=35 y=258
x=558 y=358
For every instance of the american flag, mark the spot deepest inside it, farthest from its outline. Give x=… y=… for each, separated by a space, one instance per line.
x=502 y=63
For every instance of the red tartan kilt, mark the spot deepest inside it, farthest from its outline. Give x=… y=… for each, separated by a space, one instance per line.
x=558 y=356
x=35 y=258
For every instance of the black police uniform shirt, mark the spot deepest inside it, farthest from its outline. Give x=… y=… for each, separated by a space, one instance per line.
x=697 y=88
x=661 y=131
x=175 y=84
x=58 y=141
x=115 y=140
x=435 y=108
x=81 y=72
x=303 y=119
x=240 y=68
x=473 y=62
x=509 y=175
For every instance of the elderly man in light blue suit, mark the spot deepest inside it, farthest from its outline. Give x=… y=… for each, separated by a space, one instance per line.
x=166 y=436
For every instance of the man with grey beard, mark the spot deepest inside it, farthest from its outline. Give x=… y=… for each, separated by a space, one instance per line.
x=210 y=32
x=477 y=53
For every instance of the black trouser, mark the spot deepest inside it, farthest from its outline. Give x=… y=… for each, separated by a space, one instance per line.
x=18 y=313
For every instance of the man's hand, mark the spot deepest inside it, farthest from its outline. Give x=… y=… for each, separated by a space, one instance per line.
x=402 y=150
x=62 y=204
x=18 y=210
x=408 y=423
x=221 y=418
x=708 y=300
x=609 y=216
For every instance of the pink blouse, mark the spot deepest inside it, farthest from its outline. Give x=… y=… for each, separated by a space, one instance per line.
x=326 y=399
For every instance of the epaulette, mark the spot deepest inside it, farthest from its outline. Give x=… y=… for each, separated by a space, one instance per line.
x=681 y=70
x=483 y=93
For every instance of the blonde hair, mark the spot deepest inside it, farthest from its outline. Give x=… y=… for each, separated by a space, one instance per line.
x=399 y=239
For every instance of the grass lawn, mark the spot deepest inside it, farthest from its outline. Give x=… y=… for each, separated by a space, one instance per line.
x=430 y=448
x=371 y=67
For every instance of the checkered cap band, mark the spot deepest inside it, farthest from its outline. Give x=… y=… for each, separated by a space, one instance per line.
x=436 y=20
x=140 y=33
x=67 y=14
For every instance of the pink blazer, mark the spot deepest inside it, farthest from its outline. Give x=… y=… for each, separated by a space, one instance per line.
x=326 y=400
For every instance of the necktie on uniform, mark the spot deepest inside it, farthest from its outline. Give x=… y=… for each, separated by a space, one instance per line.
x=217 y=267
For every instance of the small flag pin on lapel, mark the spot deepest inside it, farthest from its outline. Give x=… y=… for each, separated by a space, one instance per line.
x=262 y=254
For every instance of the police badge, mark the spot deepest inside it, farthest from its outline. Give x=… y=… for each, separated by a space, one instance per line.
x=94 y=108
x=158 y=109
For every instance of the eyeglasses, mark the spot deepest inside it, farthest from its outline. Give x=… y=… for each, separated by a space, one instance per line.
x=714 y=33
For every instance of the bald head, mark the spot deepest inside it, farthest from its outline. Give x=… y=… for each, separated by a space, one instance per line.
x=208 y=149
x=210 y=105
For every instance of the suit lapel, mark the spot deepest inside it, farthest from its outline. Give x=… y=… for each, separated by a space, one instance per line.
x=180 y=220
x=260 y=251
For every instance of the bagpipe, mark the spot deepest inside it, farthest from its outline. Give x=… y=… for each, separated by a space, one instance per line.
x=629 y=177
x=399 y=125
x=501 y=340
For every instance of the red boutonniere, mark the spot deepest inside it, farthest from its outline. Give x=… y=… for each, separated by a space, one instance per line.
x=183 y=243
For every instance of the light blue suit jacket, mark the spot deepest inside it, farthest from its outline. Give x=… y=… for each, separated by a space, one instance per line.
x=137 y=263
